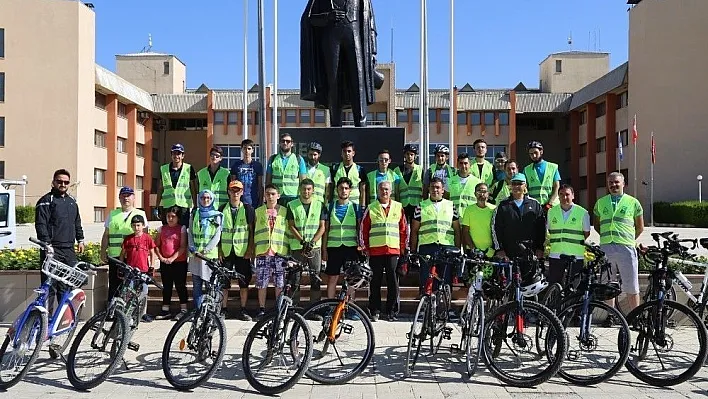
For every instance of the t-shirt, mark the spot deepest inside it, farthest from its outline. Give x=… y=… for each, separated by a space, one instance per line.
x=248 y=174
x=381 y=176
x=479 y=220
x=137 y=251
x=302 y=168
x=272 y=216
x=540 y=168
x=340 y=211
x=436 y=204
x=439 y=171
x=170 y=241
x=566 y=214
x=174 y=174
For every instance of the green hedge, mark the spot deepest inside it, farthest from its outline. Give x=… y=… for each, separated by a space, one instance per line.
x=24 y=214
x=686 y=212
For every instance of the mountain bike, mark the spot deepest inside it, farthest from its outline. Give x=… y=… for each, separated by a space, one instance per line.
x=109 y=331
x=431 y=317
x=472 y=314
x=186 y=352
x=280 y=334
x=31 y=329
x=344 y=340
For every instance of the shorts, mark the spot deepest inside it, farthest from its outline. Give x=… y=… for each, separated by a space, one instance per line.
x=337 y=256
x=241 y=265
x=623 y=260
x=270 y=268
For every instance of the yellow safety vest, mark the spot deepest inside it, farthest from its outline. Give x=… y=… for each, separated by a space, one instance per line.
x=216 y=186
x=319 y=176
x=617 y=225
x=118 y=228
x=265 y=238
x=353 y=175
x=412 y=192
x=306 y=223
x=181 y=195
x=201 y=238
x=384 y=230
x=234 y=233
x=390 y=176
x=436 y=225
x=567 y=236
x=541 y=190
x=487 y=172
x=463 y=195
x=503 y=193
x=450 y=172
x=342 y=233
x=286 y=179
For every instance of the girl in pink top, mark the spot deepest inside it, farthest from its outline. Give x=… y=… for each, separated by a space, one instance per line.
x=171 y=244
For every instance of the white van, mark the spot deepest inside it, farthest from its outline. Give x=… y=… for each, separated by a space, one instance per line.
x=8 y=228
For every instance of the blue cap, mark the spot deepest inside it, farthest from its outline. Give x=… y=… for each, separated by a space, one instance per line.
x=177 y=147
x=126 y=191
x=519 y=177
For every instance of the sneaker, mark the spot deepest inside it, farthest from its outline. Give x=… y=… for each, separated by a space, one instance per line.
x=224 y=313
x=609 y=321
x=163 y=315
x=261 y=313
x=147 y=318
x=179 y=314
x=374 y=316
x=392 y=317
x=244 y=316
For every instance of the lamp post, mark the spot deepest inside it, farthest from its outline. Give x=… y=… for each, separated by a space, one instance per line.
x=24 y=191
x=700 y=182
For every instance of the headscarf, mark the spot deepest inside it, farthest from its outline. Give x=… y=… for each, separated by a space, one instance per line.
x=206 y=212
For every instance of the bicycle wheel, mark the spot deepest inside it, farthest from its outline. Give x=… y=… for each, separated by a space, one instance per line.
x=16 y=357
x=511 y=367
x=440 y=318
x=109 y=339
x=259 y=356
x=59 y=343
x=189 y=356
x=552 y=297
x=598 y=355
x=655 y=358
x=474 y=333
x=416 y=336
x=338 y=360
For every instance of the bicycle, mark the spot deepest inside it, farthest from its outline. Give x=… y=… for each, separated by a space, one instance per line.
x=112 y=328
x=660 y=322
x=432 y=313
x=472 y=314
x=521 y=314
x=279 y=328
x=202 y=324
x=577 y=307
x=33 y=327
x=333 y=361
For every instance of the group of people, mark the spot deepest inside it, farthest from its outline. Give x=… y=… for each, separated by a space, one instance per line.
x=327 y=216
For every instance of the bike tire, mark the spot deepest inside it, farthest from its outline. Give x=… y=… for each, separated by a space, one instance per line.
x=622 y=343
x=119 y=320
x=552 y=297
x=633 y=319
x=415 y=341
x=33 y=317
x=302 y=367
x=56 y=350
x=475 y=322
x=440 y=325
x=370 y=342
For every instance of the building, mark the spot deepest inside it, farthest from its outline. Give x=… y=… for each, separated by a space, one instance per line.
x=112 y=129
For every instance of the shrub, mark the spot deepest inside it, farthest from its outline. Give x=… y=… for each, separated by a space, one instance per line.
x=686 y=212
x=28 y=258
x=24 y=214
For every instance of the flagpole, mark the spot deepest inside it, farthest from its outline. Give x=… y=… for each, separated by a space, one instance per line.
x=635 y=139
x=453 y=114
x=651 y=173
x=261 y=74
x=422 y=113
x=274 y=133
x=245 y=70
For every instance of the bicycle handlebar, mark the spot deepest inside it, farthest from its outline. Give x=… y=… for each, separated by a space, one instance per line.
x=145 y=277
x=216 y=267
x=299 y=266
x=44 y=245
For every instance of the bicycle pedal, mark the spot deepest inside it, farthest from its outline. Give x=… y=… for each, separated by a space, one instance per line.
x=133 y=346
x=455 y=348
x=347 y=328
x=447 y=332
x=408 y=335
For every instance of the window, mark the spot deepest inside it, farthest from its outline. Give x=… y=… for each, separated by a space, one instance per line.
x=188 y=124
x=100 y=100
x=122 y=109
x=2 y=131
x=120 y=179
x=139 y=182
x=122 y=145
x=623 y=100
x=99 y=176
x=600 y=109
x=155 y=184
x=98 y=214
x=140 y=150
x=166 y=68
x=624 y=136
x=381 y=117
x=402 y=116
x=4 y=209
x=232 y=152
x=583 y=185
x=492 y=151
x=583 y=150
x=290 y=116
x=2 y=169
x=432 y=115
x=319 y=116
x=476 y=118
x=254 y=118
x=2 y=43
x=232 y=117
x=601 y=180
x=2 y=86
x=445 y=116
x=489 y=118
x=305 y=116
x=601 y=145
x=504 y=118
x=348 y=116
x=218 y=118
x=155 y=155
x=559 y=66
x=462 y=118
x=583 y=117
x=99 y=138
x=416 y=116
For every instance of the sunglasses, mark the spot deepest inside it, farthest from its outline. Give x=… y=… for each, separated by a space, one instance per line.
x=61 y=182
x=286 y=141
x=215 y=155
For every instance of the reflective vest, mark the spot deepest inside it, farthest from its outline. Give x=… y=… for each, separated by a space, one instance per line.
x=234 y=233
x=567 y=236
x=216 y=186
x=384 y=230
x=265 y=238
x=319 y=176
x=436 y=225
x=462 y=195
x=181 y=195
x=450 y=172
x=541 y=190
x=390 y=176
x=353 y=175
x=306 y=223
x=479 y=221
x=118 y=228
x=342 y=233
x=487 y=172
x=286 y=179
x=412 y=192
x=617 y=225
x=503 y=193
x=202 y=238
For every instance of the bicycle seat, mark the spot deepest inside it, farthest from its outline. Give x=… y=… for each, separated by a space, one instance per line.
x=568 y=258
x=703 y=242
x=451 y=252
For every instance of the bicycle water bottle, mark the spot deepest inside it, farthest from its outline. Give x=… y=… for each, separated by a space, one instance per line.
x=683 y=281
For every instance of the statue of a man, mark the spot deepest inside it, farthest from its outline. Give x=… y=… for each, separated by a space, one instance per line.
x=338 y=57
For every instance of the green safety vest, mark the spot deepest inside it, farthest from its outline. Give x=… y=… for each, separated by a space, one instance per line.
x=319 y=177
x=306 y=224
x=286 y=179
x=384 y=230
x=567 y=236
x=202 y=238
x=487 y=172
x=411 y=193
x=450 y=173
x=463 y=195
x=118 y=228
x=342 y=233
x=265 y=238
x=353 y=175
x=234 y=233
x=541 y=190
x=373 y=187
x=216 y=186
x=503 y=194
x=181 y=195
x=617 y=225
x=479 y=221
x=436 y=226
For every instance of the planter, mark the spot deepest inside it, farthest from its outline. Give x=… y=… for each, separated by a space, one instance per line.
x=17 y=292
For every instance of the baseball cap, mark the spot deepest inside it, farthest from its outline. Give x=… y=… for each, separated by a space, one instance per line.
x=177 y=147
x=519 y=177
x=126 y=191
x=137 y=219
x=235 y=184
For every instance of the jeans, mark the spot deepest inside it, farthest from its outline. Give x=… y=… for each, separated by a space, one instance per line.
x=197 y=290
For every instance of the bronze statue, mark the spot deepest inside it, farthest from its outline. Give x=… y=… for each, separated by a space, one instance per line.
x=338 y=57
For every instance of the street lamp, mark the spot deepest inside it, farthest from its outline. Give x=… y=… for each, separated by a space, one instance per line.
x=700 y=179
x=24 y=190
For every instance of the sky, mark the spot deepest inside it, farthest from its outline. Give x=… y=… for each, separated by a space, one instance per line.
x=497 y=43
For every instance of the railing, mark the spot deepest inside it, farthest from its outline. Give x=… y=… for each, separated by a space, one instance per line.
x=368 y=123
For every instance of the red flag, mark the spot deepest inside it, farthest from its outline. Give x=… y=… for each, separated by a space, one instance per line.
x=653 y=150
x=635 y=135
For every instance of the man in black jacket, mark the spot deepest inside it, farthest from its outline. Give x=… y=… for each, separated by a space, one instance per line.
x=518 y=218
x=57 y=222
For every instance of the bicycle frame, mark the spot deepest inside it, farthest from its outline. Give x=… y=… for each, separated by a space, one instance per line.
x=704 y=283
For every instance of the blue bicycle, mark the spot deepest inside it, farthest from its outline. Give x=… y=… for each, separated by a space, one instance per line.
x=34 y=327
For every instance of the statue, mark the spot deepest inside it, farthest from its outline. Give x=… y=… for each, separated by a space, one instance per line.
x=338 y=57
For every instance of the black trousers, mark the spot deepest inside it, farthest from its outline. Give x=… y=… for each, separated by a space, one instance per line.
x=557 y=269
x=113 y=280
x=379 y=265
x=63 y=255
x=174 y=274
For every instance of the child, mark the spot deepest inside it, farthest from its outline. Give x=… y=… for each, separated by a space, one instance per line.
x=171 y=245
x=138 y=251
x=204 y=235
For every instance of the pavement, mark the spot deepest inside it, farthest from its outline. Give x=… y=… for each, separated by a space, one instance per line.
x=440 y=376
